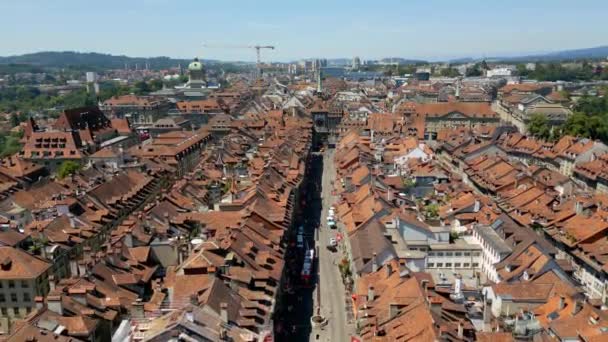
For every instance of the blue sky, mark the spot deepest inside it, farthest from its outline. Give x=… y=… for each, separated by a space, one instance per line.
x=311 y=28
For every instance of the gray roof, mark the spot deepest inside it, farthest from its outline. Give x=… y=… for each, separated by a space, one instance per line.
x=488 y=235
x=367 y=240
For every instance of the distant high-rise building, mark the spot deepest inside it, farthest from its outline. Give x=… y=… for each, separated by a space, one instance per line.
x=292 y=69
x=91 y=78
x=319 y=84
x=356 y=63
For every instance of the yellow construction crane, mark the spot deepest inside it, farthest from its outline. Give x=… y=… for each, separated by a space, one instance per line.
x=256 y=47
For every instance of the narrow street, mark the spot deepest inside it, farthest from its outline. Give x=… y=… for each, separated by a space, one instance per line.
x=333 y=298
x=301 y=299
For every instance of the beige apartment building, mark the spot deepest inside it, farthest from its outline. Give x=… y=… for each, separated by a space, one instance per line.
x=23 y=277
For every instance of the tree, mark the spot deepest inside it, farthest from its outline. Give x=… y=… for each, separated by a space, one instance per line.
x=474 y=71
x=539 y=126
x=89 y=101
x=522 y=70
x=141 y=88
x=484 y=65
x=67 y=168
x=592 y=105
x=449 y=72
x=9 y=144
x=432 y=210
x=593 y=126
x=408 y=182
x=156 y=84
x=453 y=236
x=15 y=120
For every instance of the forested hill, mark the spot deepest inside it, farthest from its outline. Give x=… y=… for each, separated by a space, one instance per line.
x=91 y=60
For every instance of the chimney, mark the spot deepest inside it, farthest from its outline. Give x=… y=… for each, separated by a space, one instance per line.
x=52 y=283
x=425 y=284
x=370 y=294
x=128 y=240
x=375 y=263
x=6 y=263
x=486 y=311
x=82 y=268
x=578 y=207
x=43 y=251
x=138 y=309
x=458 y=285
x=72 y=220
x=74 y=268
x=460 y=330
x=578 y=305
x=194 y=299
x=54 y=304
x=403 y=270
x=224 y=312
x=389 y=270
x=189 y=315
x=562 y=302
x=39 y=302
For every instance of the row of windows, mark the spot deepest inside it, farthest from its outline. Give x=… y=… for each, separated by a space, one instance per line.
x=454 y=254
x=26 y=297
x=11 y=284
x=15 y=311
x=449 y=264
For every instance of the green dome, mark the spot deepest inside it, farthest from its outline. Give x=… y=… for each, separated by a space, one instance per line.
x=195 y=65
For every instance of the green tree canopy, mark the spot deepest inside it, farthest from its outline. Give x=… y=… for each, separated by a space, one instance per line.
x=539 y=126
x=9 y=143
x=474 y=71
x=522 y=70
x=449 y=72
x=67 y=168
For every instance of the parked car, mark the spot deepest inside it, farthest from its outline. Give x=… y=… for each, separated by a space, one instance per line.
x=300 y=241
x=332 y=224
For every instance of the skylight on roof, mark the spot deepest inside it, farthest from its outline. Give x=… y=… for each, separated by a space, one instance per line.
x=496 y=224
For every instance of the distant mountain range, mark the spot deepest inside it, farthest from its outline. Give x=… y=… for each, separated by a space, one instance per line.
x=599 y=52
x=99 y=61
x=94 y=60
